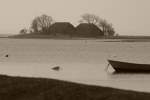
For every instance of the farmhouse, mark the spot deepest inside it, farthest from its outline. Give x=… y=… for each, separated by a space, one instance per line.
x=88 y=30
x=62 y=29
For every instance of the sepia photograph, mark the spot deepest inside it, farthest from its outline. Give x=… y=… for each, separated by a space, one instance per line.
x=74 y=50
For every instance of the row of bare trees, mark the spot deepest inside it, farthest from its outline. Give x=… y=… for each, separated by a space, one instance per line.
x=41 y=24
x=106 y=27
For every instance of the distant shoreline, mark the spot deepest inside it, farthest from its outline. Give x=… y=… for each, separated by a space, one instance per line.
x=14 y=88
x=103 y=39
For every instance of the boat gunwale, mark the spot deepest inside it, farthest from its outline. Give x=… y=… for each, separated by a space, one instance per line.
x=126 y=66
x=127 y=62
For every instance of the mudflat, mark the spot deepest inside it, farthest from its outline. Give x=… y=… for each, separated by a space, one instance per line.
x=21 y=88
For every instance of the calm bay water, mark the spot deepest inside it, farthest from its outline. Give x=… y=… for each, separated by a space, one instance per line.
x=82 y=61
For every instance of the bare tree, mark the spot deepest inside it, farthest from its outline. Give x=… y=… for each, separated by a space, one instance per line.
x=23 y=31
x=34 y=25
x=106 y=27
x=89 y=18
x=110 y=30
x=42 y=23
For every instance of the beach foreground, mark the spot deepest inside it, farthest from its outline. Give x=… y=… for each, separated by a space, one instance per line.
x=21 y=88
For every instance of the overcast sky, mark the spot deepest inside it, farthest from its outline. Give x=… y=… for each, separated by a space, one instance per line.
x=129 y=17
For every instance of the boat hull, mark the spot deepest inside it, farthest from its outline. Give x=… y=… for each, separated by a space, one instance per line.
x=129 y=67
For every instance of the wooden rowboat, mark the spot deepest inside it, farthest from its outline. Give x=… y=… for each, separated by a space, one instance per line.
x=129 y=67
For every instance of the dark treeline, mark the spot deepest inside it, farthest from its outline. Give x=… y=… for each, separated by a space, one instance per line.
x=89 y=26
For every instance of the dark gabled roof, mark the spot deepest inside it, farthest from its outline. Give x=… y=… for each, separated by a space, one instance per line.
x=62 y=24
x=88 y=30
x=62 y=28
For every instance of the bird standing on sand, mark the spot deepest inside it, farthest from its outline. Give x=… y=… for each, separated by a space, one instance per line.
x=6 y=55
x=56 y=68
